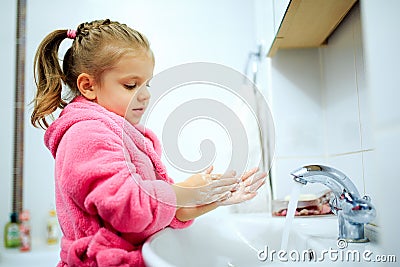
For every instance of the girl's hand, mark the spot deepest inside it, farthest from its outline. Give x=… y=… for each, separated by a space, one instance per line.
x=201 y=189
x=247 y=189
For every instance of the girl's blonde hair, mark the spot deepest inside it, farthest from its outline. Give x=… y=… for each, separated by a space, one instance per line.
x=97 y=47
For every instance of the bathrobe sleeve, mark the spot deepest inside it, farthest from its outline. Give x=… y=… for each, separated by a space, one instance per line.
x=101 y=182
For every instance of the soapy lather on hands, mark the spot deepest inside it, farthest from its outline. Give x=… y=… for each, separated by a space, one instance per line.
x=225 y=189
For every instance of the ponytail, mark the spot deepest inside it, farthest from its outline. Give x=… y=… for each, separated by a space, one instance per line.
x=48 y=79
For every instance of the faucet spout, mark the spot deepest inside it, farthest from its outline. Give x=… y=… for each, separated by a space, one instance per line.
x=352 y=210
x=330 y=177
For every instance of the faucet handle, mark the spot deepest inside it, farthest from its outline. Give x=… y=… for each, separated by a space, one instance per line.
x=335 y=205
x=367 y=198
x=336 y=201
x=358 y=210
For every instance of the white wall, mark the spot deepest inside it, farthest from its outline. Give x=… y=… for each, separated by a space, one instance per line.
x=381 y=46
x=180 y=32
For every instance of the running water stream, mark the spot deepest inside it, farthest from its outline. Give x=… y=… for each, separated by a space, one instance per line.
x=294 y=198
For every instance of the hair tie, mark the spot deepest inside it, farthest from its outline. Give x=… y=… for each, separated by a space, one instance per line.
x=71 y=34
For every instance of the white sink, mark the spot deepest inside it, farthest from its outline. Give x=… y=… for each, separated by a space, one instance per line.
x=239 y=240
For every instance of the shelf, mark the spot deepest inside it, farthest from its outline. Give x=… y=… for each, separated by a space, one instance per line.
x=309 y=23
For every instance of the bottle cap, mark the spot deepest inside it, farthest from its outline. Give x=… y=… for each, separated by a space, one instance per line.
x=14 y=217
x=52 y=212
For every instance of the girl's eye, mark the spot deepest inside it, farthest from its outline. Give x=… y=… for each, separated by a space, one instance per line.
x=130 y=86
x=148 y=84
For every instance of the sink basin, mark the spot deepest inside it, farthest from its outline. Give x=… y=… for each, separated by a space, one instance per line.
x=242 y=240
x=235 y=240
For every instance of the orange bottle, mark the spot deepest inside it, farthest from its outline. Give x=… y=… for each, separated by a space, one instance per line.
x=52 y=228
x=25 y=231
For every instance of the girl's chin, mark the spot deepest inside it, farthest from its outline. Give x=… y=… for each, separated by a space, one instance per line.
x=133 y=121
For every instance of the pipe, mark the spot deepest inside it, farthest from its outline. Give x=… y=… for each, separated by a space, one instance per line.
x=19 y=103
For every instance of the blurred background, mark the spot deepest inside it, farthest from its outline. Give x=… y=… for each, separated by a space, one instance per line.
x=334 y=105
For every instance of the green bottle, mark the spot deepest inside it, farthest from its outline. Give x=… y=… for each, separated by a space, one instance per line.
x=11 y=232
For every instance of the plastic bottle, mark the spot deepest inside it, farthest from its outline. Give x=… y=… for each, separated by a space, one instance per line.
x=25 y=231
x=52 y=228
x=11 y=232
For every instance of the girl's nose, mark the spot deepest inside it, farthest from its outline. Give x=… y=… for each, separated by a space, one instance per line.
x=143 y=94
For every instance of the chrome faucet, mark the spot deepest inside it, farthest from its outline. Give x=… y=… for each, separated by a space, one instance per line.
x=352 y=210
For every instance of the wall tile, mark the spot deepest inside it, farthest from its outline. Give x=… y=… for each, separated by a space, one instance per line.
x=372 y=180
x=351 y=166
x=382 y=57
x=387 y=183
x=341 y=100
x=365 y=114
x=371 y=176
x=297 y=96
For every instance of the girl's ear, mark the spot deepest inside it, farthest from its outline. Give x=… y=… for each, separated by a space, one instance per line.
x=85 y=83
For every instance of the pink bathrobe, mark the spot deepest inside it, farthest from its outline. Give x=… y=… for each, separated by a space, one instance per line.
x=112 y=190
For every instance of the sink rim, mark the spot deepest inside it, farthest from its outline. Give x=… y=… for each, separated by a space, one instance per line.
x=149 y=253
x=153 y=258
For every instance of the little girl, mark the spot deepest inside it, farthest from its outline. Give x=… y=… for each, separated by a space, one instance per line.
x=112 y=190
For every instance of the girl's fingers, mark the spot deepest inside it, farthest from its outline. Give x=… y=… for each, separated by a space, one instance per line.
x=230 y=173
x=225 y=182
x=214 y=176
x=255 y=186
x=209 y=169
x=224 y=189
x=226 y=196
x=250 y=196
x=255 y=178
x=210 y=178
x=227 y=175
x=248 y=174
